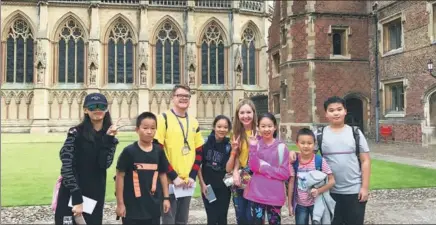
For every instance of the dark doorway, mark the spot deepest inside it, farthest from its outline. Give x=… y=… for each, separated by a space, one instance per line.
x=261 y=103
x=354 y=112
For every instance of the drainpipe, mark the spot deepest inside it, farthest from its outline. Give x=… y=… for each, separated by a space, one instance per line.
x=377 y=78
x=232 y=63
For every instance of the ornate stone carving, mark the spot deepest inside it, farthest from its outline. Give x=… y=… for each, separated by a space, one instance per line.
x=93 y=55
x=143 y=64
x=239 y=65
x=92 y=65
x=192 y=66
x=40 y=63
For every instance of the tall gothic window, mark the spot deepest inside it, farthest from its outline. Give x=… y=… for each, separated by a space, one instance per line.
x=212 y=55
x=71 y=53
x=120 y=54
x=248 y=52
x=168 y=55
x=19 y=53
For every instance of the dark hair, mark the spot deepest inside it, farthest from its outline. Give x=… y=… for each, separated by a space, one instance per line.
x=272 y=118
x=145 y=115
x=305 y=131
x=218 y=118
x=334 y=99
x=87 y=128
x=180 y=86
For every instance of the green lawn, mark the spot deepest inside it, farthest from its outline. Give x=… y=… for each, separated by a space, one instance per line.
x=29 y=170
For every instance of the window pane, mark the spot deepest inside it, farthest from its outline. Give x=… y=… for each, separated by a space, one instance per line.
x=111 y=61
x=129 y=62
x=159 y=65
x=176 y=62
x=120 y=61
x=29 y=61
x=252 y=66
x=204 y=63
x=245 y=61
x=61 y=65
x=213 y=62
x=337 y=44
x=80 y=61
x=168 y=61
x=10 y=60
x=71 y=60
x=221 y=63
x=20 y=60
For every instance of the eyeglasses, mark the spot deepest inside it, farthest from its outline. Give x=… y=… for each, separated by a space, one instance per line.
x=183 y=96
x=94 y=107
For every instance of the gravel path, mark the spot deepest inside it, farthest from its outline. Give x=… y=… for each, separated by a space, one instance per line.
x=405 y=206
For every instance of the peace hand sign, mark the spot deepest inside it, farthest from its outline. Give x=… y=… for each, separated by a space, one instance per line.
x=253 y=139
x=235 y=143
x=113 y=130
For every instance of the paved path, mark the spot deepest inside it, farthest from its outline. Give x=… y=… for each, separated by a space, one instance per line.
x=404 y=160
x=406 y=206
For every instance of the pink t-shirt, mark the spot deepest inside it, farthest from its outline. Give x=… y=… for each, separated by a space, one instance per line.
x=304 y=198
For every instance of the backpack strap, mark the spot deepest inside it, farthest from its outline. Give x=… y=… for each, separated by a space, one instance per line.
x=318 y=162
x=281 y=152
x=319 y=133
x=165 y=118
x=356 y=136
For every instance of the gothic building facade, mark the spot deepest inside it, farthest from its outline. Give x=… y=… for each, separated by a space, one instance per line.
x=357 y=50
x=133 y=51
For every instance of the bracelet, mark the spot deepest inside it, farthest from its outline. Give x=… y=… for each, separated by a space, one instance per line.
x=166 y=198
x=233 y=153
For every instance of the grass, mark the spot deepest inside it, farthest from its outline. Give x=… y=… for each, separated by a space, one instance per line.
x=29 y=170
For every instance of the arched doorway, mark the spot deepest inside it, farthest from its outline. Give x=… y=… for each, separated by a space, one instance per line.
x=432 y=104
x=354 y=112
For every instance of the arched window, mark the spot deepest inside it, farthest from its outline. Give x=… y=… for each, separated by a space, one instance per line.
x=212 y=55
x=337 y=44
x=168 y=54
x=19 y=53
x=120 y=54
x=71 y=53
x=248 y=52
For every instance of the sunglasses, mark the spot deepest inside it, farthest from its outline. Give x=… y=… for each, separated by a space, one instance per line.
x=93 y=107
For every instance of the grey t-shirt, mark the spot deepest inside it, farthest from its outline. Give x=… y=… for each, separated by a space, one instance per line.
x=339 y=150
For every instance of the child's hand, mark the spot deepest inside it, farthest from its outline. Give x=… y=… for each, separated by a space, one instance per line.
x=314 y=192
x=203 y=188
x=253 y=140
x=291 y=210
x=235 y=143
x=178 y=182
x=166 y=206
x=121 y=210
x=292 y=156
x=236 y=178
x=190 y=183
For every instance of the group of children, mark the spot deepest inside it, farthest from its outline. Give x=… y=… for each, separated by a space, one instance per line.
x=329 y=187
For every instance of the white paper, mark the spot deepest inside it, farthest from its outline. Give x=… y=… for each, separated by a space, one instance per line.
x=88 y=204
x=171 y=189
x=180 y=192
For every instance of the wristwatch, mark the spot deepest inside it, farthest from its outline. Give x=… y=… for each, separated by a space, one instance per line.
x=166 y=198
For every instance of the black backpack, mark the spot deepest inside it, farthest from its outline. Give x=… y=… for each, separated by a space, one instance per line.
x=355 y=135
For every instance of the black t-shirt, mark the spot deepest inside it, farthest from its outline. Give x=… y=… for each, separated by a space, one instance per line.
x=145 y=164
x=215 y=157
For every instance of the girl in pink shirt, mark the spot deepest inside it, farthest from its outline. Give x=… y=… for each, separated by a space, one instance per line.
x=270 y=167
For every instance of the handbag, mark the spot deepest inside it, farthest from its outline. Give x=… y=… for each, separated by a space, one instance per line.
x=245 y=175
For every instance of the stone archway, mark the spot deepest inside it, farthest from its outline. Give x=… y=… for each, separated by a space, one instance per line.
x=429 y=126
x=357 y=112
x=432 y=109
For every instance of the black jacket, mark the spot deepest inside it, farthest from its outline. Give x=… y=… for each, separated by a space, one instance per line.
x=84 y=165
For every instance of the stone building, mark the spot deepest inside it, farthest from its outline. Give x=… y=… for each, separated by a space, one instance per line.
x=328 y=48
x=133 y=51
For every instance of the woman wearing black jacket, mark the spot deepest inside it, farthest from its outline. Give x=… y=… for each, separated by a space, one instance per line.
x=216 y=155
x=87 y=153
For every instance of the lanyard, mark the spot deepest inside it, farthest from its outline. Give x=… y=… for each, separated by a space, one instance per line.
x=185 y=137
